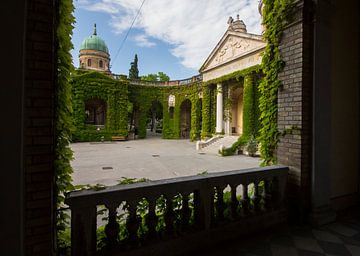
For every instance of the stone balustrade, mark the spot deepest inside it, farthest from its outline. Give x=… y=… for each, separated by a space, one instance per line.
x=187 y=81
x=203 y=144
x=179 y=212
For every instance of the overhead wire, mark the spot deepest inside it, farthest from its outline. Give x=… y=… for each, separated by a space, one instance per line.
x=128 y=32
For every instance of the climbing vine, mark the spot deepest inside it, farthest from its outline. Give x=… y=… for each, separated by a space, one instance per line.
x=275 y=15
x=63 y=110
x=95 y=85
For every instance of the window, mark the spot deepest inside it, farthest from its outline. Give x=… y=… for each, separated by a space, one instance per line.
x=89 y=62
x=101 y=64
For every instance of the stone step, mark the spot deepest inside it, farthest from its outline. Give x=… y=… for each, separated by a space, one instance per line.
x=213 y=148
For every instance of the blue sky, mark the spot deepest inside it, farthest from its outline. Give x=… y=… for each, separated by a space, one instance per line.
x=171 y=36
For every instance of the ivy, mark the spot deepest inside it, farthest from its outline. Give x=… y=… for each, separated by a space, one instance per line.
x=92 y=84
x=63 y=110
x=275 y=14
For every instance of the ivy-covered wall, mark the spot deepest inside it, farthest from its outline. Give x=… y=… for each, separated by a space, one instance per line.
x=118 y=95
x=91 y=85
x=251 y=113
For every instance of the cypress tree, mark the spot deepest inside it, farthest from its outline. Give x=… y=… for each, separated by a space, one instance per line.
x=134 y=71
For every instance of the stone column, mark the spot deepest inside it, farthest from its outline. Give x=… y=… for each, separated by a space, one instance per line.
x=219 y=109
x=321 y=210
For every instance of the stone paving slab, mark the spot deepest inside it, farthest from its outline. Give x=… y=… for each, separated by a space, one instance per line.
x=152 y=158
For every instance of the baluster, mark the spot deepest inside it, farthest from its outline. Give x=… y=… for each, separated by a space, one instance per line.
x=204 y=207
x=185 y=211
x=112 y=229
x=267 y=195
x=256 y=197
x=152 y=219
x=132 y=223
x=245 y=201
x=234 y=202
x=275 y=192
x=197 y=209
x=220 y=203
x=83 y=230
x=169 y=216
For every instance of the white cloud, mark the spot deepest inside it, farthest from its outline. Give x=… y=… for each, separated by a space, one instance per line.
x=193 y=28
x=143 y=41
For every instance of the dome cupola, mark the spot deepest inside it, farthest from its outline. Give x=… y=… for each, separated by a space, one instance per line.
x=94 y=42
x=94 y=54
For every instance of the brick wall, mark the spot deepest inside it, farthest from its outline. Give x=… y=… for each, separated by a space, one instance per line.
x=38 y=127
x=294 y=102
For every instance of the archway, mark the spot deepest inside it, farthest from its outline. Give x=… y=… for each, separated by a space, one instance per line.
x=95 y=111
x=154 y=118
x=185 y=119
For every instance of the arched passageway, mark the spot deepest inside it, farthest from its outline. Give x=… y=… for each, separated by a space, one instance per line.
x=154 y=118
x=95 y=111
x=185 y=119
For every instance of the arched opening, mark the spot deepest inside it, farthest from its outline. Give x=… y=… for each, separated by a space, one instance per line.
x=101 y=64
x=154 y=118
x=236 y=127
x=133 y=120
x=95 y=111
x=89 y=62
x=185 y=119
x=171 y=112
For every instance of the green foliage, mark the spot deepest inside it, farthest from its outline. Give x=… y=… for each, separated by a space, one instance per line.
x=134 y=71
x=89 y=85
x=241 y=141
x=237 y=75
x=251 y=108
x=63 y=110
x=275 y=16
x=252 y=146
x=160 y=77
x=206 y=113
x=126 y=180
x=163 y=77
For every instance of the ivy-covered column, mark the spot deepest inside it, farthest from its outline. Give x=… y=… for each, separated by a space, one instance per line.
x=219 y=109
x=206 y=112
x=248 y=107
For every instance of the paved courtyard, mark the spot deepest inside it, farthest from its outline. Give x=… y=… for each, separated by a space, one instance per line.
x=152 y=158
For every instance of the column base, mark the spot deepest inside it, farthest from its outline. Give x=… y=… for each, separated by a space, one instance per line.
x=322 y=215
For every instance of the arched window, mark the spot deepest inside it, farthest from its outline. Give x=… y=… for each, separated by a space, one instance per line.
x=89 y=62
x=101 y=64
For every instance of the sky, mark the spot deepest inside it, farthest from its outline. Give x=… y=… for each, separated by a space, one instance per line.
x=170 y=36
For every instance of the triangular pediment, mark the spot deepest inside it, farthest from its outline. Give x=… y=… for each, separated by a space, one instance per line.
x=232 y=45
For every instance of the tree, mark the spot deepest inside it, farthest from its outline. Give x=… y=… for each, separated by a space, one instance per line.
x=160 y=76
x=150 y=77
x=134 y=71
x=163 y=77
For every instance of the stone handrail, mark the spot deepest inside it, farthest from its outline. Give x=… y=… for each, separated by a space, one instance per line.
x=202 y=144
x=193 y=79
x=201 y=207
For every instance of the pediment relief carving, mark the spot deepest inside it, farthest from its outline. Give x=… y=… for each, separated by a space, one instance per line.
x=231 y=48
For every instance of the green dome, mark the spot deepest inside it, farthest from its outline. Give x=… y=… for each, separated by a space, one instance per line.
x=94 y=42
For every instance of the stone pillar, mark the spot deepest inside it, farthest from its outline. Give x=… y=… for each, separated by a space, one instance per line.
x=321 y=211
x=219 y=109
